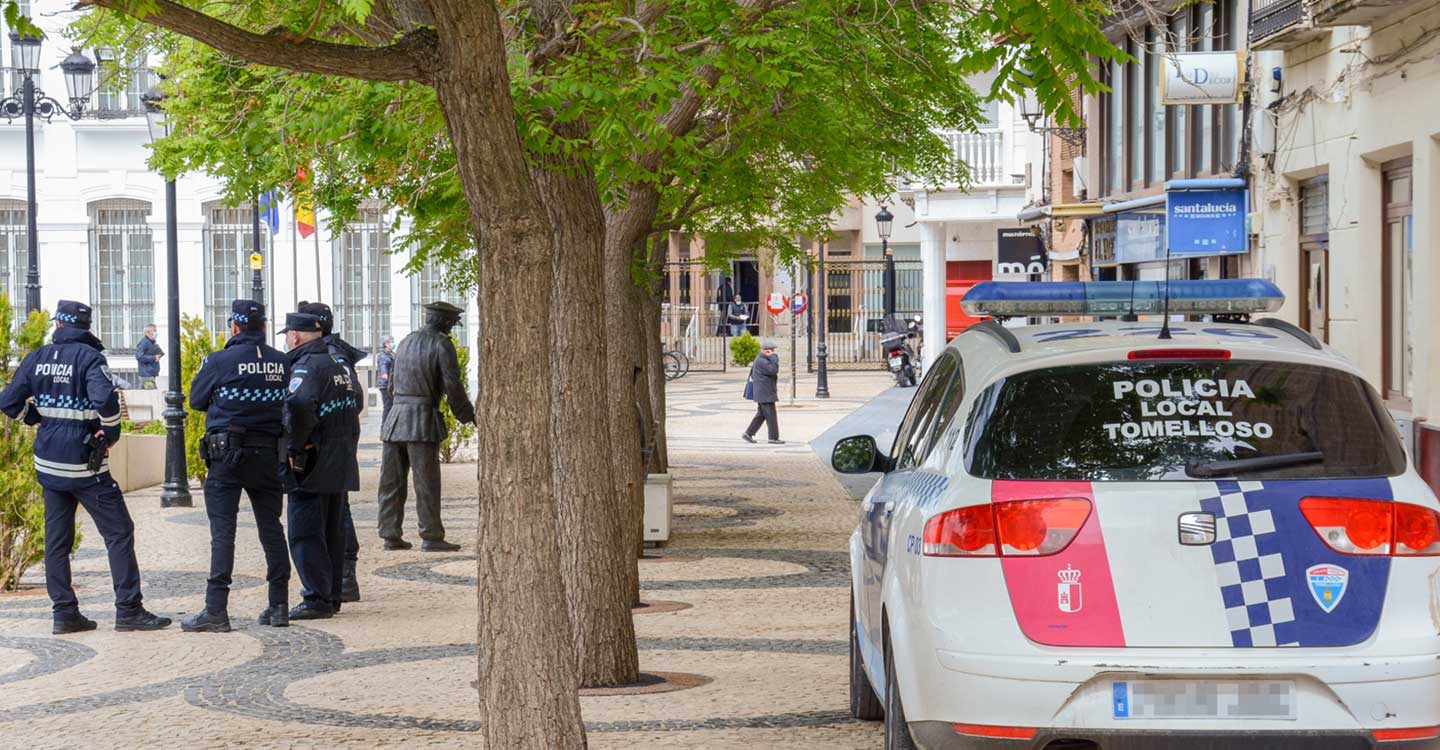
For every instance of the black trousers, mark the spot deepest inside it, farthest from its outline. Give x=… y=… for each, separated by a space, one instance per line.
x=106 y=506
x=765 y=414
x=347 y=528
x=317 y=542
x=256 y=472
x=397 y=461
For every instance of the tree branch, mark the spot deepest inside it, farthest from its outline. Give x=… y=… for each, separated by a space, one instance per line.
x=408 y=59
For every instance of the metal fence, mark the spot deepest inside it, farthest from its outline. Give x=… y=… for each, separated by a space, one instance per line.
x=701 y=333
x=854 y=307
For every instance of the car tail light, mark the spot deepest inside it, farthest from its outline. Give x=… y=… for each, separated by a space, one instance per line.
x=1409 y=733
x=987 y=730
x=1015 y=528
x=1373 y=527
x=1180 y=354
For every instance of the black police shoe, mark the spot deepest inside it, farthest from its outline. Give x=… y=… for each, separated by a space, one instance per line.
x=312 y=611
x=206 y=621
x=349 y=586
x=76 y=624
x=276 y=616
x=439 y=545
x=140 y=621
x=397 y=543
x=747 y=437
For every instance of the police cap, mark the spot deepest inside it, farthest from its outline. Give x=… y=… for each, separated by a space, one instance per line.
x=72 y=313
x=245 y=311
x=301 y=322
x=319 y=310
x=445 y=308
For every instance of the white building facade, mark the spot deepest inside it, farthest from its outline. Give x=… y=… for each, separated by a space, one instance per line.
x=101 y=225
x=1348 y=173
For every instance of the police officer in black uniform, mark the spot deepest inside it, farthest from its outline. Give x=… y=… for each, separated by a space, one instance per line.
x=349 y=356
x=241 y=389
x=66 y=388
x=320 y=418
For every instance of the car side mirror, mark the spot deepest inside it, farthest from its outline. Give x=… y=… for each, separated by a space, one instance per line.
x=858 y=455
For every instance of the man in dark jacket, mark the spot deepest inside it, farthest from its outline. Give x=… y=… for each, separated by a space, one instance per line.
x=350 y=356
x=765 y=376
x=319 y=418
x=66 y=388
x=241 y=389
x=723 y=295
x=147 y=358
x=426 y=369
x=738 y=315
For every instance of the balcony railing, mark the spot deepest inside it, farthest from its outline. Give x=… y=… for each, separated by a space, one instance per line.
x=981 y=153
x=1355 y=12
x=1281 y=24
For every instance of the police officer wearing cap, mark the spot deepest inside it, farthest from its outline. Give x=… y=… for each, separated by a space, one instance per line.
x=320 y=415
x=66 y=388
x=349 y=356
x=241 y=389
x=426 y=370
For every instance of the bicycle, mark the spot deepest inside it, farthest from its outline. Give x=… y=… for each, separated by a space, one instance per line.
x=676 y=365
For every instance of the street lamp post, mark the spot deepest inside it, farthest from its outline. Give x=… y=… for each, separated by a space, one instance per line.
x=822 y=312
x=30 y=102
x=175 y=492
x=257 y=277
x=883 y=221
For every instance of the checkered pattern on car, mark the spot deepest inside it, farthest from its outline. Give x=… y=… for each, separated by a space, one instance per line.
x=250 y=394
x=926 y=488
x=1251 y=568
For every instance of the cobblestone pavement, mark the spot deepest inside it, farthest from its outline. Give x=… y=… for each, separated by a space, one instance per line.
x=758 y=553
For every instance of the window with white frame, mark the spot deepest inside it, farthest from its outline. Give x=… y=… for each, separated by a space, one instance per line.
x=229 y=240
x=14 y=255
x=121 y=82
x=122 y=271
x=426 y=286
x=362 y=279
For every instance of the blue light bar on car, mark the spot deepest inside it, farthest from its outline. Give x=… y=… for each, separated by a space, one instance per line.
x=1002 y=299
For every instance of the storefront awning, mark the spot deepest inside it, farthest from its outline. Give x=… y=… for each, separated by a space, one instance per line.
x=1060 y=211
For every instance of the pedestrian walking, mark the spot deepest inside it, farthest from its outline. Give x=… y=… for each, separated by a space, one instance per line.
x=66 y=388
x=147 y=358
x=426 y=370
x=764 y=390
x=319 y=419
x=241 y=389
x=349 y=356
x=738 y=316
x=384 y=365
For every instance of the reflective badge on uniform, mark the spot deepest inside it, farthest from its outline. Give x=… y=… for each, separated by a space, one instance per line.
x=105 y=370
x=295 y=384
x=1327 y=585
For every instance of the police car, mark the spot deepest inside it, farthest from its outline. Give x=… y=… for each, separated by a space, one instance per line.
x=1107 y=534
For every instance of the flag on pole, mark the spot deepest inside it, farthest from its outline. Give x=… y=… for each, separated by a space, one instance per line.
x=304 y=206
x=270 y=210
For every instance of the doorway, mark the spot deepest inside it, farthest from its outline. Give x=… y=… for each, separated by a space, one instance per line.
x=747 y=284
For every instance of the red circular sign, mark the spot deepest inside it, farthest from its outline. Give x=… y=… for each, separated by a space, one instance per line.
x=776 y=303
x=799 y=303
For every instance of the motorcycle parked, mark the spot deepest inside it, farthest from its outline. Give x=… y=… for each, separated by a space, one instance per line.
x=901 y=344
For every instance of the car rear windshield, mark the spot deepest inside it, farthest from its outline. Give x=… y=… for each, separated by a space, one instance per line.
x=1181 y=420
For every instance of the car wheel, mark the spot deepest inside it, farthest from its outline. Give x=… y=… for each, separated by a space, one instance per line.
x=897 y=730
x=864 y=704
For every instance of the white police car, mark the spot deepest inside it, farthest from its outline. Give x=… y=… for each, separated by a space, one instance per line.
x=1087 y=535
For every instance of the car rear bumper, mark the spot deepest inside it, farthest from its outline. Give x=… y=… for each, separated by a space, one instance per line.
x=938 y=735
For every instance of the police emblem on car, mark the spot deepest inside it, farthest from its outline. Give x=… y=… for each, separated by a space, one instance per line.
x=1327 y=584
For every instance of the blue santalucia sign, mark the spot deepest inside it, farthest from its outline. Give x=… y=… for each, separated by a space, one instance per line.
x=1207 y=222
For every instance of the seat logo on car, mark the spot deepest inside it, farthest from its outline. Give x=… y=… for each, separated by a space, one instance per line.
x=1070 y=599
x=1197 y=529
x=1327 y=585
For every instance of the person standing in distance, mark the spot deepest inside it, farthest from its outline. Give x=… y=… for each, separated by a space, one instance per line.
x=384 y=365
x=241 y=389
x=426 y=369
x=147 y=358
x=66 y=388
x=319 y=419
x=765 y=375
x=349 y=356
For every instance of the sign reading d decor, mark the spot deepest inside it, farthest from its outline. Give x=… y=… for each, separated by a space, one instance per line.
x=1207 y=222
x=1201 y=77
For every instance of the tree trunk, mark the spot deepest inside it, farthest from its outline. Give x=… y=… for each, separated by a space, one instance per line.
x=594 y=560
x=654 y=362
x=528 y=696
x=625 y=368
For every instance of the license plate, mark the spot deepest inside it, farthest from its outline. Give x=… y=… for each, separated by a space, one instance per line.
x=895 y=361
x=1204 y=699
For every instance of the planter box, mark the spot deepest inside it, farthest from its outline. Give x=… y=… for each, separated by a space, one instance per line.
x=138 y=461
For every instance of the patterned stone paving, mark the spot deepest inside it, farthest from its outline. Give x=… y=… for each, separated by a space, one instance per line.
x=758 y=553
